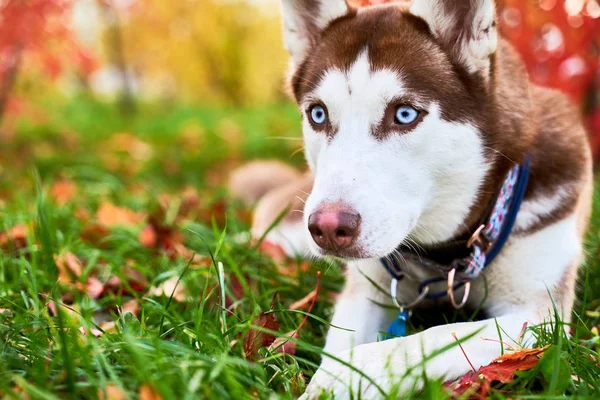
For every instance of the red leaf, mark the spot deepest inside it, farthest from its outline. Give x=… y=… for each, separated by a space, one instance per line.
x=282 y=345
x=255 y=340
x=502 y=369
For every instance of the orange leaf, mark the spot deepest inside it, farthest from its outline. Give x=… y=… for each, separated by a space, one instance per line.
x=15 y=238
x=147 y=392
x=111 y=392
x=110 y=215
x=521 y=354
x=148 y=236
x=63 y=191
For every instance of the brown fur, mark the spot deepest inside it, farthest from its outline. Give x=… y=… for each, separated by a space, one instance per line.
x=516 y=117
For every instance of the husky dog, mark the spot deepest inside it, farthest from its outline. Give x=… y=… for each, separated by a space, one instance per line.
x=417 y=118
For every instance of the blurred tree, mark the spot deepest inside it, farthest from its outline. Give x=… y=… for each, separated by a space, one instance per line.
x=114 y=39
x=207 y=50
x=34 y=36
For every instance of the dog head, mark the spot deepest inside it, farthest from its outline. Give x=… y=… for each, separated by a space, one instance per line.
x=394 y=105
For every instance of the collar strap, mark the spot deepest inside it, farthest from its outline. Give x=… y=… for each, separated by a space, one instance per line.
x=484 y=244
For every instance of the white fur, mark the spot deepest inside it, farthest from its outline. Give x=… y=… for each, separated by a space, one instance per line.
x=512 y=301
x=422 y=182
x=532 y=211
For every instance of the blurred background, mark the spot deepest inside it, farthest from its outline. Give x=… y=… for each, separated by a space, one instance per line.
x=205 y=77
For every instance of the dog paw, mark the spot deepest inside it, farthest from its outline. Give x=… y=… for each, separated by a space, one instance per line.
x=361 y=375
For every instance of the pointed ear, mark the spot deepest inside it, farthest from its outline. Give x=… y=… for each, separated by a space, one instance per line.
x=465 y=28
x=303 y=22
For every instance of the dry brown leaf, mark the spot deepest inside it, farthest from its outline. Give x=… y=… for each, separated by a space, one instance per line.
x=131 y=306
x=69 y=267
x=15 y=238
x=148 y=392
x=94 y=234
x=306 y=301
x=256 y=339
x=111 y=392
x=282 y=344
x=63 y=191
x=110 y=215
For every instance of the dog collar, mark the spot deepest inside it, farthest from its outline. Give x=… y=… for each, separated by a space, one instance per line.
x=475 y=253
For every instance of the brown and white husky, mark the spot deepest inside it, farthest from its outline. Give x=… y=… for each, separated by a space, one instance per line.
x=413 y=115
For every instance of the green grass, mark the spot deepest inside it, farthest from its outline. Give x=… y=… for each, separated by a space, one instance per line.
x=193 y=348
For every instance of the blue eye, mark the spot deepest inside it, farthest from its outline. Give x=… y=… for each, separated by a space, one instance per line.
x=318 y=115
x=406 y=115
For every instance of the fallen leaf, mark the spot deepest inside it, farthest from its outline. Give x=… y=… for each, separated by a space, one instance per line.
x=282 y=344
x=131 y=306
x=305 y=302
x=255 y=339
x=94 y=234
x=69 y=267
x=108 y=326
x=521 y=354
x=502 y=369
x=52 y=308
x=148 y=237
x=94 y=287
x=148 y=392
x=111 y=392
x=275 y=251
x=134 y=278
x=168 y=287
x=15 y=238
x=63 y=191
x=110 y=215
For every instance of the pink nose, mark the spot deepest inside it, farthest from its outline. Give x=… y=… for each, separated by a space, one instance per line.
x=334 y=228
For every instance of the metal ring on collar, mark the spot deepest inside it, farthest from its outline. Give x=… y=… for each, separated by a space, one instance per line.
x=465 y=298
x=417 y=300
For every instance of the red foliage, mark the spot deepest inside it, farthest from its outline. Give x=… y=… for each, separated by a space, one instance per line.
x=38 y=31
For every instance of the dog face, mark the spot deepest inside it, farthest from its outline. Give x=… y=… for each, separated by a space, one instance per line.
x=393 y=102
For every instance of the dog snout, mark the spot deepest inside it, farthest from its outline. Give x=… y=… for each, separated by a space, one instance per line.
x=334 y=228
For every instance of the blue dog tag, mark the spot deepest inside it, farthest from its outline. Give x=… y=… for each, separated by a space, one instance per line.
x=398 y=326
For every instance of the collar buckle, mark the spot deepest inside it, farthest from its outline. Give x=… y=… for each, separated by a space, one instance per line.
x=480 y=239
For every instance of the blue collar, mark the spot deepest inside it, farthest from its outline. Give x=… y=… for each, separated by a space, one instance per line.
x=482 y=247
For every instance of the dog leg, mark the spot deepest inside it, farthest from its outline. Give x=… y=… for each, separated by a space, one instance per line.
x=526 y=280
x=403 y=361
x=358 y=315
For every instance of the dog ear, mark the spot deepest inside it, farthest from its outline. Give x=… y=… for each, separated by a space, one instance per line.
x=303 y=22
x=465 y=28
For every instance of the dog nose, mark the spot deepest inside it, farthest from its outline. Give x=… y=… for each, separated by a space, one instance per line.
x=334 y=228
